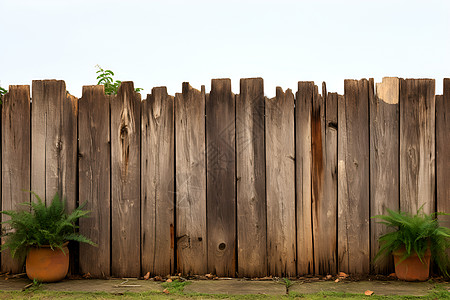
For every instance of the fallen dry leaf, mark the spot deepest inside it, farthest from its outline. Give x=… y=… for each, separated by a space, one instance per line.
x=169 y=280
x=209 y=276
x=328 y=277
x=342 y=274
x=166 y=291
x=87 y=275
x=158 y=278
x=147 y=276
x=337 y=280
x=392 y=275
x=368 y=293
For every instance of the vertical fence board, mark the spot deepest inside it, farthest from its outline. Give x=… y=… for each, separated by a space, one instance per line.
x=221 y=178
x=15 y=158
x=325 y=207
x=190 y=181
x=443 y=154
x=125 y=181
x=157 y=183
x=353 y=172
x=94 y=179
x=251 y=200
x=54 y=141
x=280 y=174
x=303 y=158
x=417 y=145
x=318 y=176
x=384 y=163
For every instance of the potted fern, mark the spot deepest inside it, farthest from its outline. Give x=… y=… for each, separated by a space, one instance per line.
x=416 y=239
x=41 y=233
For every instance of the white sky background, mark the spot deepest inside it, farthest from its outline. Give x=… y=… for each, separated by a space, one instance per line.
x=156 y=43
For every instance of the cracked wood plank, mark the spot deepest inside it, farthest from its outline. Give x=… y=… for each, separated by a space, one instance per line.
x=94 y=177
x=125 y=181
x=157 y=183
x=353 y=177
x=15 y=159
x=221 y=178
x=280 y=172
x=190 y=161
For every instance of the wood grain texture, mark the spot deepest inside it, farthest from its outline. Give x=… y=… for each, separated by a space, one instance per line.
x=384 y=163
x=250 y=162
x=15 y=159
x=157 y=183
x=417 y=145
x=221 y=178
x=353 y=177
x=303 y=116
x=125 y=181
x=190 y=181
x=443 y=154
x=94 y=177
x=54 y=141
x=324 y=141
x=280 y=178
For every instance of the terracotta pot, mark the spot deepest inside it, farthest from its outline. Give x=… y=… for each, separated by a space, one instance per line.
x=47 y=265
x=412 y=269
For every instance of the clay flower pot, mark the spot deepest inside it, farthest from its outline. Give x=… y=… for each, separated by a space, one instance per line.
x=412 y=269
x=47 y=265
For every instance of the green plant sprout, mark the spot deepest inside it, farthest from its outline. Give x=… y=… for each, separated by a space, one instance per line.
x=105 y=77
x=2 y=92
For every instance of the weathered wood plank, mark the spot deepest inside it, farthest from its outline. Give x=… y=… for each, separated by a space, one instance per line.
x=353 y=174
x=157 y=183
x=94 y=177
x=221 y=178
x=15 y=158
x=250 y=168
x=280 y=176
x=443 y=154
x=190 y=164
x=324 y=185
x=54 y=141
x=417 y=145
x=384 y=163
x=125 y=181
x=303 y=115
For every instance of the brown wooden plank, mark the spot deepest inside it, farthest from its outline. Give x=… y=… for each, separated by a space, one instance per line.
x=384 y=163
x=54 y=141
x=250 y=168
x=303 y=115
x=157 y=183
x=443 y=154
x=353 y=177
x=221 y=178
x=324 y=181
x=16 y=148
x=417 y=145
x=280 y=176
x=95 y=179
x=190 y=181
x=125 y=181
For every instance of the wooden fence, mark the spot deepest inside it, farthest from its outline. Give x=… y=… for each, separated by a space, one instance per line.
x=234 y=185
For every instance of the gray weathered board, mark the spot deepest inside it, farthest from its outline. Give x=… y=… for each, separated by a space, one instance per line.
x=221 y=178
x=157 y=183
x=250 y=169
x=94 y=176
x=303 y=163
x=54 y=141
x=280 y=178
x=190 y=161
x=125 y=181
x=384 y=163
x=417 y=145
x=353 y=177
x=324 y=181
x=15 y=158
